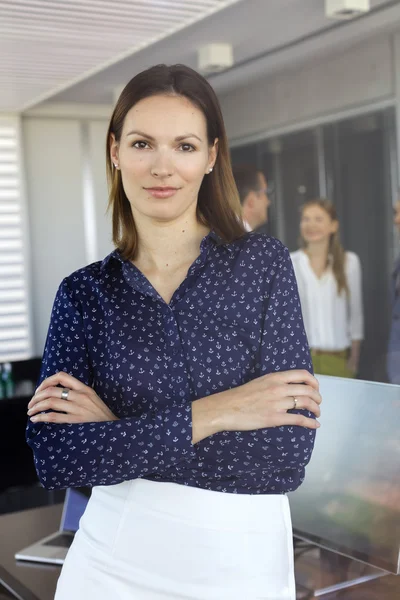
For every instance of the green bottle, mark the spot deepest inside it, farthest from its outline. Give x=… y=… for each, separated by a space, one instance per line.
x=8 y=382
x=2 y=393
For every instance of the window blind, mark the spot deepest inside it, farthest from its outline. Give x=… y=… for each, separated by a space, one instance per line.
x=15 y=342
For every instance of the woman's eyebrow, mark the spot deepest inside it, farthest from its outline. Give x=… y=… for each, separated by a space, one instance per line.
x=187 y=135
x=151 y=138
x=141 y=133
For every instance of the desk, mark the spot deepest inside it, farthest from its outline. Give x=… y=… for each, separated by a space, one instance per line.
x=18 y=469
x=34 y=581
x=28 y=581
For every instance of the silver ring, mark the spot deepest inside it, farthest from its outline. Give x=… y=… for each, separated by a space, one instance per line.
x=294 y=403
x=64 y=394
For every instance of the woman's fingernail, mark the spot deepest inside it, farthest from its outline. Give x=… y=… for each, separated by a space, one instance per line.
x=318 y=424
x=29 y=411
x=34 y=419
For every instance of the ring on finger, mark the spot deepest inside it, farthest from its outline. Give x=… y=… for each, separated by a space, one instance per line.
x=294 y=403
x=64 y=394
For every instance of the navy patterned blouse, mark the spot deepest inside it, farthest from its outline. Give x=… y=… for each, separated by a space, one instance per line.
x=235 y=317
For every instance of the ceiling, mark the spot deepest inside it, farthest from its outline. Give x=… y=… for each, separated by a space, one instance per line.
x=49 y=45
x=82 y=51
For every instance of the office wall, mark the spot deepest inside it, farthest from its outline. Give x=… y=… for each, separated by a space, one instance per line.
x=97 y=146
x=55 y=153
x=358 y=76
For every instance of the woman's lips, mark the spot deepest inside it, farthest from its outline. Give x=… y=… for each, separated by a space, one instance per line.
x=161 y=192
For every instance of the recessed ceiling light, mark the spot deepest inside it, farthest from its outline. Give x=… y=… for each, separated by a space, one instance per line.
x=215 y=57
x=346 y=9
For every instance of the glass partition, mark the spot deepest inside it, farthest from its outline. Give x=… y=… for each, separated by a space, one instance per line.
x=352 y=163
x=353 y=480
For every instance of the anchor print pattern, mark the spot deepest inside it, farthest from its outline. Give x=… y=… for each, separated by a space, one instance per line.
x=236 y=316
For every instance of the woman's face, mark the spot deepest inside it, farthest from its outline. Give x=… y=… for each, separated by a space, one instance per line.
x=163 y=155
x=316 y=224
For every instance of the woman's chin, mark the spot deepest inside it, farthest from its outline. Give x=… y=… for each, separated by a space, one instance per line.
x=314 y=239
x=163 y=214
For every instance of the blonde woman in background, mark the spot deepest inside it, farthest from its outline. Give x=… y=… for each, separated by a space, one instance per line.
x=329 y=281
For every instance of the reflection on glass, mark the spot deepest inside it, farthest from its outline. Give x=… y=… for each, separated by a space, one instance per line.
x=350 y=500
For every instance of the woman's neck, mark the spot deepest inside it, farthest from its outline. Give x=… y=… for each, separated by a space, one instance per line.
x=165 y=246
x=318 y=257
x=318 y=250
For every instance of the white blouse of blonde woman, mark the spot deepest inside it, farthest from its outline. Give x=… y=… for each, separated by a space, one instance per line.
x=333 y=322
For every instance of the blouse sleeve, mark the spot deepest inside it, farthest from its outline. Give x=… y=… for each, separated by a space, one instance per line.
x=100 y=453
x=356 y=313
x=284 y=347
x=278 y=452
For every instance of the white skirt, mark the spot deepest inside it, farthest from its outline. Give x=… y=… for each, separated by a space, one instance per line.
x=145 y=540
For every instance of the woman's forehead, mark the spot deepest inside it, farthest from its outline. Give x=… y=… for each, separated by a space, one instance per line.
x=167 y=112
x=314 y=208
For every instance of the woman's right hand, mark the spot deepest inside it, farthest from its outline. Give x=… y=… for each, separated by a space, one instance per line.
x=261 y=403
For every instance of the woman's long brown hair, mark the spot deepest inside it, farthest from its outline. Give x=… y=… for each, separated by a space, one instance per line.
x=218 y=205
x=335 y=250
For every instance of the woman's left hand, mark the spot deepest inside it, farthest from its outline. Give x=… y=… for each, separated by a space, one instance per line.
x=82 y=405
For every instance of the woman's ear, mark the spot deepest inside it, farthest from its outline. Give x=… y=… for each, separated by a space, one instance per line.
x=335 y=226
x=114 y=151
x=212 y=154
x=250 y=200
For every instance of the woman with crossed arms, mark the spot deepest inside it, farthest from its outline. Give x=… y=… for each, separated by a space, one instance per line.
x=176 y=376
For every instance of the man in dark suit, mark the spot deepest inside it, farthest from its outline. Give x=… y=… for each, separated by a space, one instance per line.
x=393 y=357
x=253 y=193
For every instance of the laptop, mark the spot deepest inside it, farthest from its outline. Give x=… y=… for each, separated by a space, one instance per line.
x=53 y=548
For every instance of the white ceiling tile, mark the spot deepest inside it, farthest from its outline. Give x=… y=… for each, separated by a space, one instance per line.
x=46 y=46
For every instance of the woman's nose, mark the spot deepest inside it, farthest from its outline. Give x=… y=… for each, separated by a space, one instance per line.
x=162 y=166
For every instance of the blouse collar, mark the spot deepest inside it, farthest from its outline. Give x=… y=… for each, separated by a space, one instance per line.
x=212 y=239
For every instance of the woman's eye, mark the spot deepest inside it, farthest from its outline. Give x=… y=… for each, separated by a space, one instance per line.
x=187 y=147
x=140 y=145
